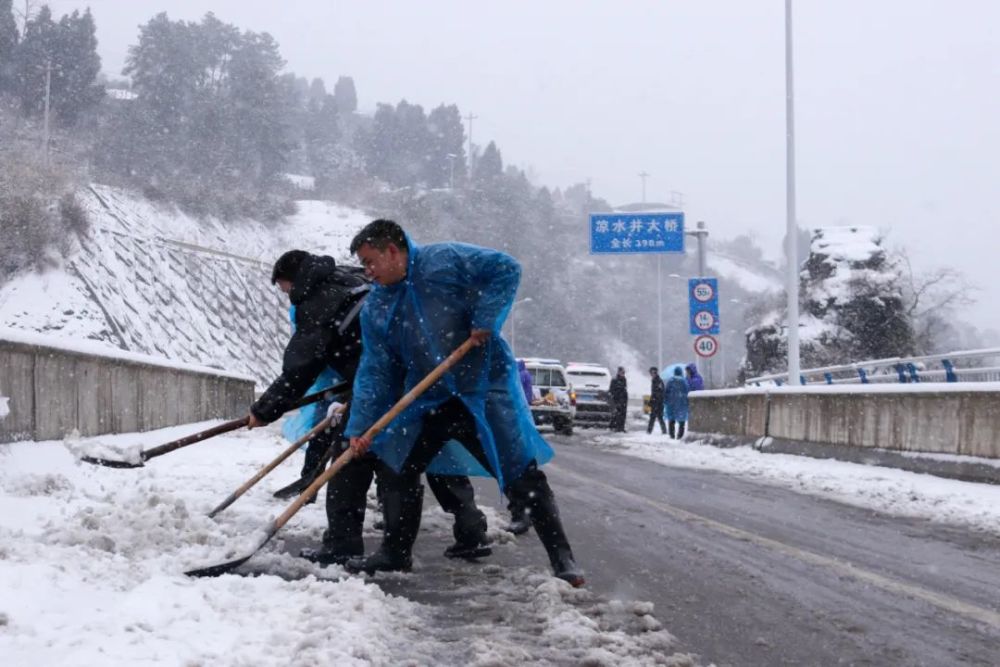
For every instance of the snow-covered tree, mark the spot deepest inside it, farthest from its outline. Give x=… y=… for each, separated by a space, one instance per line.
x=852 y=306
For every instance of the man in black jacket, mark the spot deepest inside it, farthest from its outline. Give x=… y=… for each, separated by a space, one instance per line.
x=327 y=300
x=656 y=401
x=619 y=401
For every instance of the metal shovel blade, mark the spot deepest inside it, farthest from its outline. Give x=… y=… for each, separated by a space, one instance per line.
x=229 y=566
x=111 y=463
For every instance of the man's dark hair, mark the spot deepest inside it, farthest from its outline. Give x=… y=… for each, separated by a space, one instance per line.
x=287 y=266
x=653 y=369
x=379 y=234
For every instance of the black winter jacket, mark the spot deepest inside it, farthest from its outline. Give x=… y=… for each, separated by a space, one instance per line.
x=322 y=301
x=656 y=393
x=618 y=390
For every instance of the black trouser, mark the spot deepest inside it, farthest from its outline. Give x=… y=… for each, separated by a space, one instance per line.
x=673 y=423
x=656 y=414
x=453 y=421
x=347 y=499
x=619 y=410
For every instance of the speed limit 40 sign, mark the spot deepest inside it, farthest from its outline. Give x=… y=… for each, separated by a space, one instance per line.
x=706 y=346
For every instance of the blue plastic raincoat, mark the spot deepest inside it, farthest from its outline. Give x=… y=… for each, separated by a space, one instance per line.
x=410 y=327
x=297 y=425
x=676 y=403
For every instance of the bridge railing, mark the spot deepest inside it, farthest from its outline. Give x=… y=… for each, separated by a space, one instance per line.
x=959 y=366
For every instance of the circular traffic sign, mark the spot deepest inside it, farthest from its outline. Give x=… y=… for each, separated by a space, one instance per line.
x=704 y=320
x=706 y=346
x=703 y=292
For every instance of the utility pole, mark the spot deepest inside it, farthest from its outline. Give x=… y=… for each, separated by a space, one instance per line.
x=45 y=124
x=472 y=158
x=643 y=175
x=791 y=227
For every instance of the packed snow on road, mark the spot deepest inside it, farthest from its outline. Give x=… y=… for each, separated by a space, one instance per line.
x=92 y=565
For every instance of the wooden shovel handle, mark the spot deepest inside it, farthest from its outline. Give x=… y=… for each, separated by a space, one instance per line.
x=374 y=430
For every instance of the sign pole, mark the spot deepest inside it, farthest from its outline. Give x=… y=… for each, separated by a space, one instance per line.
x=659 y=311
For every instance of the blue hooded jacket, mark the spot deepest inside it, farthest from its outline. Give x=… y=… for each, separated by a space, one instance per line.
x=696 y=382
x=410 y=327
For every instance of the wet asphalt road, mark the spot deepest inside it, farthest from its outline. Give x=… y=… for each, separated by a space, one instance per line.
x=748 y=574
x=742 y=573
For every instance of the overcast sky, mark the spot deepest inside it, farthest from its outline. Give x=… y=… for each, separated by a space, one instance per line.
x=897 y=101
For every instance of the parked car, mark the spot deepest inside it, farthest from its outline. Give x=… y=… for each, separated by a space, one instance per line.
x=590 y=383
x=554 y=402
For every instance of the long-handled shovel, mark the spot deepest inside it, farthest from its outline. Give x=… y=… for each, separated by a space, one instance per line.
x=271 y=529
x=234 y=496
x=147 y=454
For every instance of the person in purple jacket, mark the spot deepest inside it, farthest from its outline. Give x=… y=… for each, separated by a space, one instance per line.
x=525 y=376
x=695 y=381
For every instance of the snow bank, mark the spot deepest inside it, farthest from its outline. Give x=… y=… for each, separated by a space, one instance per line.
x=887 y=490
x=92 y=562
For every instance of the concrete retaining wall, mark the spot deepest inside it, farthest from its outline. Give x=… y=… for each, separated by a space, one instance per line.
x=951 y=421
x=53 y=391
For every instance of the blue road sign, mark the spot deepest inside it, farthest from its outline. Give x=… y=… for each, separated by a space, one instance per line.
x=703 y=305
x=623 y=233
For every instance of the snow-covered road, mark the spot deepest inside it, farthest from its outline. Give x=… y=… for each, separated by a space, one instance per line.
x=92 y=562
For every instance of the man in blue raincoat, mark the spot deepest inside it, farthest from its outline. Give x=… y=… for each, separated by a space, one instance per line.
x=426 y=302
x=677 y=403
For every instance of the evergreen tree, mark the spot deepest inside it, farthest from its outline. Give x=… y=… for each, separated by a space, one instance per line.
x=8 y=44
x=345 y=95
x=447 y=147
x=212 y=118
x=74 y=87
x=489 y=167
x=34 y=53
x=322 y=141
x=317 y=94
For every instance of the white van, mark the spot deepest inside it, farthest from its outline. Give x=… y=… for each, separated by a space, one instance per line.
x=553 y=402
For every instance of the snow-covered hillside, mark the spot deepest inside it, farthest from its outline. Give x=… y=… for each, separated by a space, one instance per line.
x=150 y=279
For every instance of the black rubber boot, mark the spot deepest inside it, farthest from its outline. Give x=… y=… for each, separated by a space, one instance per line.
x=520 y=522
x=471 y=542
x=330 y=555
x=345 y=514
x=402 y=522
x=532 y=489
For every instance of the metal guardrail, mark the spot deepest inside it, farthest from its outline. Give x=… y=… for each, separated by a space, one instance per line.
x=902 y=370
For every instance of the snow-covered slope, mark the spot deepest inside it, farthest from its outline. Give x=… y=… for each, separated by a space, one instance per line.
x=152 y=280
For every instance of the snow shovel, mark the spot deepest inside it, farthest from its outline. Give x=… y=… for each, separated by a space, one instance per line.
x=147 y=454
x=271 y=529
x=234 y=496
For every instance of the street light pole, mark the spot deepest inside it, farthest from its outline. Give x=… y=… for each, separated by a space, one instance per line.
x=513 y=329
x=791 y=228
